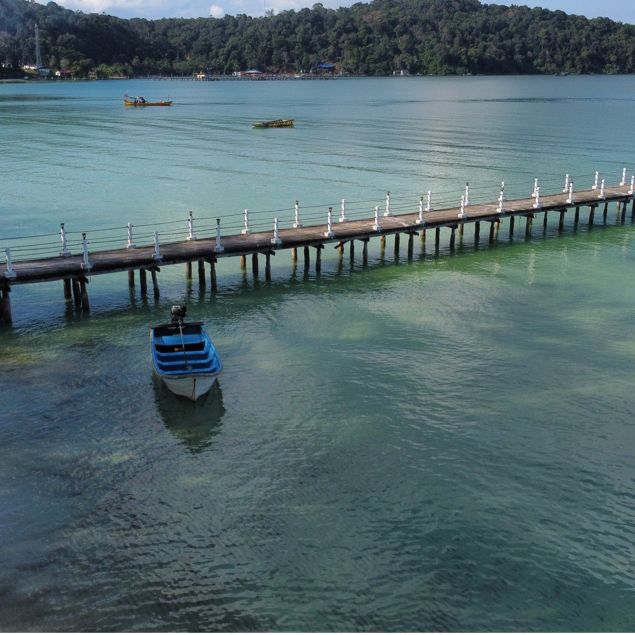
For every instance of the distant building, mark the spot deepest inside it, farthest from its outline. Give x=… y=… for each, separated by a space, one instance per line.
x=325 y=69
x=63 y=73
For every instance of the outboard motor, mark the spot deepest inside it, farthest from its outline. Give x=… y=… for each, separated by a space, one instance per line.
x=178 y=313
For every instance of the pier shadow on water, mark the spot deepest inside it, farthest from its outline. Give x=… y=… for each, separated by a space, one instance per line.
x=194 y=424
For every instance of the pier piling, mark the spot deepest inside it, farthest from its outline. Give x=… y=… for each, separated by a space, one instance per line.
x=254 y=264
x=365 y=251
x=77 y=298
x=143 y=282
x=155 y=282
x=85 y=305
x=5 y=304
x=212 y=275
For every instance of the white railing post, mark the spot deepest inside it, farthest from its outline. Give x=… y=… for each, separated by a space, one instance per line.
x=157 y=248
x=276 y=239
x=429 y=203
x=190 y=227
x=218 y=248
x=632 y=184
x=377 y=226
x=131 y=244
x=65 y=252
x=566 y=183
x=462 y=212
x=536 y=204
x=501 y=198
x=623 y=181
x=329 y=224
x=420 y=220
x=297 y=222
x=246 y=222
x=85 y=262
x=10 y=272
x=343 y=211
x=570 y=198
x=595 y=181
x=533 y=192
x=387 y=212
x=467 y=194
x=601 y=194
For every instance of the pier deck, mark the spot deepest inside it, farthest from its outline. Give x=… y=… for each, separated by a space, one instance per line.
x=124 y=259
x=75 y=269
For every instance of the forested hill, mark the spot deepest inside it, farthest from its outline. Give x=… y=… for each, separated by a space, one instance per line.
x=417 y=36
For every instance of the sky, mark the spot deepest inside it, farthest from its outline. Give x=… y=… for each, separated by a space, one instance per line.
x=619 y=10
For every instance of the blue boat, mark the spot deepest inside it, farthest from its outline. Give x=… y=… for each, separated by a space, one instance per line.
x=184 y=356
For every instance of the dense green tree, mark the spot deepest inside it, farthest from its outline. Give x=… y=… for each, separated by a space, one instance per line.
x=378 y=38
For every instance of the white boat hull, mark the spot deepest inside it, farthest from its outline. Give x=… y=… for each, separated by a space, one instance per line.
x=191 y=386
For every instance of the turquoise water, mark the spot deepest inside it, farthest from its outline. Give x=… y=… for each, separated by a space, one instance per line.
x=438 y=443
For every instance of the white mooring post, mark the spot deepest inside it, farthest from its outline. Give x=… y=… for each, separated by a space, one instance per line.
x=85 y=262
x=501 y=198
x=377 y=226
x=536 y=204
x=157 y=248
x=533 y=193
x=245 y=221
x=566 y=183
x=462 y=212
x=429 y=203
x=343 y=211
x=190 y=227
x=420 y=220
x=632 y=189
x=601 y=194
x=329 y=224
x=387 y=212
x=570 y=198
x=623 y=181
x=65 y=252
x=467 y=194
x=595 y=181
x=10 y=272
x=218 y=248
x=276 y=239
x=297 y=222
x=131 y=243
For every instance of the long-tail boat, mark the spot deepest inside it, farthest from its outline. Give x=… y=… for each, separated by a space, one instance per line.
x=274 y=123
x=141 y=101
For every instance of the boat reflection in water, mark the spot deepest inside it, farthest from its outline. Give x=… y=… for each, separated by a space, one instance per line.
x=194 y=424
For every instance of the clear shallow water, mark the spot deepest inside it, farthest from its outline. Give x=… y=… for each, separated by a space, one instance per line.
x=444 y=443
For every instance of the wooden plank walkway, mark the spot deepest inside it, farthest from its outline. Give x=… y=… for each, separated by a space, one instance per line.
x=75 y=269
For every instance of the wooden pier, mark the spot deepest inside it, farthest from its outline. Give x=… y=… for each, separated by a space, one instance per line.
x=76 y=269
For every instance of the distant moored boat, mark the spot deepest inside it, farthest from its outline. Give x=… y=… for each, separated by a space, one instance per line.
x=142 y=101
x=274 y=123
